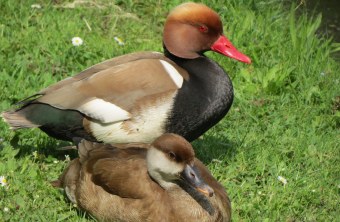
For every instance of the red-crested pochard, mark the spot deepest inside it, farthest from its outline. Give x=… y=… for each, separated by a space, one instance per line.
x=138 y=97
x=164 y=182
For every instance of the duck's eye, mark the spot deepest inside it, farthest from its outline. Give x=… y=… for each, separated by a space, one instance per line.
x=203 y=28
x=172 y=155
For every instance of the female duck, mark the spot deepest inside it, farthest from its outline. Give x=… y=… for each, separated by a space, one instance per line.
x=162 y=183
x=139 y=96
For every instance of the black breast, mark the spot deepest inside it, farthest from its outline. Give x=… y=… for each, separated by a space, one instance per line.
x=203 y=100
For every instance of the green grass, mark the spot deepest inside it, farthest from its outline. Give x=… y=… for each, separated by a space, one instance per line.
x=284 y=121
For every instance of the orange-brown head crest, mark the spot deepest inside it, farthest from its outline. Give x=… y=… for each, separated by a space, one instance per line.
x=197 y=14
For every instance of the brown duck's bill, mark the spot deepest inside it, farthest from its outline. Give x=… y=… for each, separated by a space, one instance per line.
x=225 y=47
x=191 y=175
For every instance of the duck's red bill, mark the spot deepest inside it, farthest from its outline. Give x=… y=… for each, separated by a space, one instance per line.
x=224 y=46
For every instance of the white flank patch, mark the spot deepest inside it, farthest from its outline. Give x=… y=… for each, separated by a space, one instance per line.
x=103 y=111
x=144 y=127
x=173 y=73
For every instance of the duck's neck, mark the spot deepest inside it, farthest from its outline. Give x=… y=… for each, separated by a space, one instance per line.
x=203 y=100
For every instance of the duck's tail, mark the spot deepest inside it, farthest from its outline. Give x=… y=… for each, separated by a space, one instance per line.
x=17 y=119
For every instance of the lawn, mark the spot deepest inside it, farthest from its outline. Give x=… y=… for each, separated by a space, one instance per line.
x=284 y=121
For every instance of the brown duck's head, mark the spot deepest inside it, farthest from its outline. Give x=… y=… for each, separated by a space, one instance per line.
x=171 y=159
x=193 y=28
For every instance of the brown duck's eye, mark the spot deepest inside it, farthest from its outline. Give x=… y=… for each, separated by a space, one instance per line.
x=172 y=155
x=203 y=28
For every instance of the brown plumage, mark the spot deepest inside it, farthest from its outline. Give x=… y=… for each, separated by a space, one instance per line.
x=162 y=183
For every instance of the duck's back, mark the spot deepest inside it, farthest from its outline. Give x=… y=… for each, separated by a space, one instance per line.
x=125 y=99
x=114 y=185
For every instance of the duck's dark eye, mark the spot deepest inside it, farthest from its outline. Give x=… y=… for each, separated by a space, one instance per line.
x=172 y=155
x=203 y=28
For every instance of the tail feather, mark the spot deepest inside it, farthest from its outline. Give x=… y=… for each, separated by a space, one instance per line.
x=56 y=183
x=58 y=123
x=83 y=149
x=17 y=120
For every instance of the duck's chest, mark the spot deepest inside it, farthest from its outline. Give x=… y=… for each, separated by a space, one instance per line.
x=202 y=101
x=198 y=107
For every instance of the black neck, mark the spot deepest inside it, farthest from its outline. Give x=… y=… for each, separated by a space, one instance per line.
x=203 y=100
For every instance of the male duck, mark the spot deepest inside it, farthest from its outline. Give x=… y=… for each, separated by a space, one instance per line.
x=164 y=182
x=138 y=97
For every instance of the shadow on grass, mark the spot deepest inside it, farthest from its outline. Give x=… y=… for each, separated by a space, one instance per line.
x=46 y=146
x=207 y=149
x=215 y=148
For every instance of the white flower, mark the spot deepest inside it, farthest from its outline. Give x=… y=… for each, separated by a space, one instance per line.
x=67 y=158
x=55 y=161
x=119 y=40
x=6 y=209
x=77 y=41
x=282 y=179
x=35 y=154
x=37 y=6
x=3 y=181
x=216 y=161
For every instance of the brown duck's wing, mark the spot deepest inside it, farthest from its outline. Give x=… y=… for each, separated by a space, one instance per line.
x=95 y=69
x=118 y=171
x=92 y=151
x=109 y=94
x=121 y=172
x=102 y=66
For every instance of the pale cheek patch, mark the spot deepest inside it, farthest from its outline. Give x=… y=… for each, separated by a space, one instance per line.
x=173 y=73
x=159 y=166
x=103 y=111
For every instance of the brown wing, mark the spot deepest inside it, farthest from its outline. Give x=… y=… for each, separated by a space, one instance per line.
x=120 y=177
x=102 y=66
x=119 y=172
x=109 y=94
